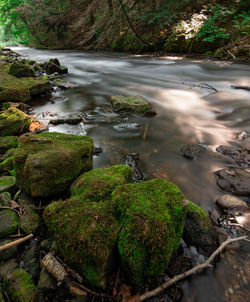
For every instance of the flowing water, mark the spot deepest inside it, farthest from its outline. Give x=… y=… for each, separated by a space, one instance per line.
x=187 y=112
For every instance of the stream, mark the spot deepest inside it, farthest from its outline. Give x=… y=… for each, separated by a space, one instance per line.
x=188 y=112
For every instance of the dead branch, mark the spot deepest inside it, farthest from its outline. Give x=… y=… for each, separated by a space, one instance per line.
x=192 y=271
x=16 y=242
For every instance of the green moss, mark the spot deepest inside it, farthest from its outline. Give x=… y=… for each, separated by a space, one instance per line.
x=9 y=223
x=30 y=221
x=8 y=142
x=20 y=70
x=201 y=214
x=98 y=184
x=6 y=183
x=152 y=216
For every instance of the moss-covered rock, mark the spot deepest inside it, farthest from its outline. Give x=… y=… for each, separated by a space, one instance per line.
x=8 y=223
x=86 y=235
x=133 y=104
x=199 y=230
x=7 y=183
x=47 y=163
x=5 y=198
x=8 y=142
x=98 y=184
x=19 y=70
x=152 y=217
x=36 y=86
x=13 y=122
x=21 y=287
x=30 y=220
x=9 y=253
x=46 y=281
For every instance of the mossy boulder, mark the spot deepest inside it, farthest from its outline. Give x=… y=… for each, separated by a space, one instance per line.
x=86 y=235
x=30 y=220
x=98 y=184
x=199 y=230
x=21 y=287
x=47 y=163
x=5 y=199
x=36 y=85
x=152 y=215
x=8 y=222
x=8 y=142
x=133 y=104
x=7 y=183
x=19 y=70
x=13 y=122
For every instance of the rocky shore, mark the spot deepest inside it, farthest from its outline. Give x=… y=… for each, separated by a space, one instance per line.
x=94 y=233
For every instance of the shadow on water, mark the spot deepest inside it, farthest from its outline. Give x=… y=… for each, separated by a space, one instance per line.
x=186 y=115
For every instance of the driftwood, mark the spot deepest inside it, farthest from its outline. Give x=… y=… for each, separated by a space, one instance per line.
x=16 y=242
x=241 y=87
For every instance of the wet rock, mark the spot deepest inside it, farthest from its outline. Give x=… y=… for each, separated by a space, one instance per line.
x=7 y=183
x=134 y=104
x=229 y=202
x=72 y=119
x=127 y=126
x=8 y=142
x=5 y=198
x=132 y=161
x=21 y=287
x=179 y=265
x=199 y=230
x=47 y=163
x=63 y=84
x=9 y=253
x=36 y=86
x=55 y=61
x=52 y=68
x=30 y=220
x=193 y=151
x=46 y=281
x=237 y=155
x=234 y=180
x=13 y=122
x=8 y=267
x=20 y=70
x=8 y=222
x=152 y=215
x=37 y=127
x=21 y=106
x=244 y=220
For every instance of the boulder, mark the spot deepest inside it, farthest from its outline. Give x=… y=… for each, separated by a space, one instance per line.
x=8 y=267
x=193 y=151
x=30 y=220
x=86 y=235
x=234 y=180
x=133 y=104
x=199 y=230
x=13 y=122
x=46 y=281
x=7 y=142
x=8 y=222
x=98 y=184
x=20 y=70
x=237 y=155
x=228 y=202
x=7 y=183
x=36 y=86
x=47 y=163
x=152 y=216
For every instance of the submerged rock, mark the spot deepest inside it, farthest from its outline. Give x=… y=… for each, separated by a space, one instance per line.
x=193 y=151
x=133 y=104
x=237 y=155
x=8 y=222
x=47 y=163
x=152 y=215
x=199 y=230
x=234 y=180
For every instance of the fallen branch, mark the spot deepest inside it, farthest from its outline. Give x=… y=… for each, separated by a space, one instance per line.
x=192 y=271
x=16 y=242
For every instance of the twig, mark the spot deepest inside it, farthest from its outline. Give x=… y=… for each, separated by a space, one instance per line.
x=231 y=54
x=209 y=86
x=195 y=269
x=145 y=131
x=8 y=245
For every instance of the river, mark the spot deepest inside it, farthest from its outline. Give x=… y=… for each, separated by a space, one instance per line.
x=188 y=112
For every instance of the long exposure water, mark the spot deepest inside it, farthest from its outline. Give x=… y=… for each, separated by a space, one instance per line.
x=188 y=112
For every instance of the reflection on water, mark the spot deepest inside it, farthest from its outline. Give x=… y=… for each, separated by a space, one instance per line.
x=186 y=114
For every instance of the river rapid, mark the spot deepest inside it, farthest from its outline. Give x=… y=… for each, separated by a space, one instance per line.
x=188 y=112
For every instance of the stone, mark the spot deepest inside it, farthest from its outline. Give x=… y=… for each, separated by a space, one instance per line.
x=8 y=222
x=46 y=281
x=152 y=216
x=234 y=180
x=30 y=221
x=7 y=142
x=9 y=253
x=47 y=163
x=13 y=122
x=237 y=155
x=73 y=119
x=193 y=151
x=8 y=267
x=20 y=70
x=7 y=183
x=52 y=68
x=228 y=202
x=133 y=104
x=55 y=61
x=21 y=287
x=179 y=265
x=5 y=198
x=31 y=262
x=36 y=86
x=63 y=84
x=199 y=230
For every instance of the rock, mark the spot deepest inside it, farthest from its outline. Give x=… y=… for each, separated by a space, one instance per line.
x=8 y=222
x=234 y=180
x=63 y=84
x=179 y=265
x=20 y=70
x=46 y=281
x=72 y=119
x=46 y=245
x=9 y=253
x=5 y=198
x=8 y=267
x=199 y=230
x=37 y=127
x=229 y=202
x=55 y=61
x=7 y=165
x=47 y=163
x=236 y=154
x=152 y=215
x=193 y=151
x=7 y=183
x=98 y=184
x=30 y=220
x=31 y=262
x=7 y=142
x=13 y=122
x=36 y=86
x=134 y=104
x=21 y=106
x=52 y=68
x=86 y=234
x=21 y=287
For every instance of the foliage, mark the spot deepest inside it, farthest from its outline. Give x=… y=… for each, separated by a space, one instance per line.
x=242 y=22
